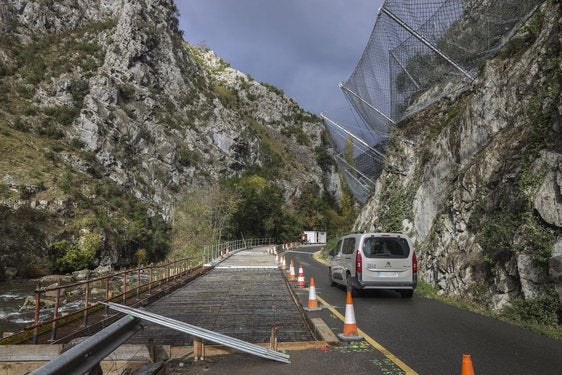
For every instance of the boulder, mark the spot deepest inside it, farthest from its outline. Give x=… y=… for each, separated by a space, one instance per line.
x=51 y=279
x=81 y=275
x=548 y=201
x=53 y=293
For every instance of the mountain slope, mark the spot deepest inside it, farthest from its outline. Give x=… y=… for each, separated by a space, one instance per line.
x=109 y=116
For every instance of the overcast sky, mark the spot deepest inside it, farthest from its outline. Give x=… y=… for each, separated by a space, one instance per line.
x=304 y=47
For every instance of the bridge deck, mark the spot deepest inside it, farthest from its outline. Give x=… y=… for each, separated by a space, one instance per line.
x=245 y=296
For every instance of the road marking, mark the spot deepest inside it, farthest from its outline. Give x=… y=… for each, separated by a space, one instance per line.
x=371 y=341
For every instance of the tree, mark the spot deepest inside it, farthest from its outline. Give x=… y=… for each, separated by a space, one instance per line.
x=200 y=219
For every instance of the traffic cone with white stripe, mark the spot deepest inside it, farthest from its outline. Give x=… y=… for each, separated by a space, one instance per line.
x=466 y=367
x=276 y=259
x=300 y=278
x=312 y=300
x=282 y=263
x=292 y=276
x=350 y=332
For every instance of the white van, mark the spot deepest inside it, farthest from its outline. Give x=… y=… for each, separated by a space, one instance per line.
x=363 y=261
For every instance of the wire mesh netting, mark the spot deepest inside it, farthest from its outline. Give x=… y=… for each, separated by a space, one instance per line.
x=418 y=52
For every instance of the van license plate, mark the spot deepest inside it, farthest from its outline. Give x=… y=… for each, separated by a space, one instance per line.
x=387 y=274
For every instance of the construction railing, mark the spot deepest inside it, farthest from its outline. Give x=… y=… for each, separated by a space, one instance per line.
x=63 y=310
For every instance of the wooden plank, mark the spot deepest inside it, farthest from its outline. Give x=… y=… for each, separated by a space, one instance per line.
x=213 y=350
x=19 y=368
x=324 y=331
x=130 y=352
x=23 y=353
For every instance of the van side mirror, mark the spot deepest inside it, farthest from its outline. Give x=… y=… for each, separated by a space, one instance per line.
x=333 y=252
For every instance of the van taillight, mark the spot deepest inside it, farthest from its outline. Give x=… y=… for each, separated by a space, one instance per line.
x=358 y=262
x=414 y=263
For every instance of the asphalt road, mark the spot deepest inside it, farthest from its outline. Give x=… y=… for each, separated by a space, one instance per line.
x=430 y=337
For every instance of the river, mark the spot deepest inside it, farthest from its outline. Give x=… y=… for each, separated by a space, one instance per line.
x=12 y=296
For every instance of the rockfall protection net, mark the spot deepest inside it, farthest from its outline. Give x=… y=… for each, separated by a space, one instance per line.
x=418 y=52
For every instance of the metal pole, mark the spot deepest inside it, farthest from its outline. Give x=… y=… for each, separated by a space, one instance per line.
x=86 y=302
x=352 y=135
x=36 y=317
x=150 y=280
x=355 y=170
x=422 y=39
x=404 y=69
x=56 y=312
x=343 y=87
x=125 y=288
x=107 y=294
x=138 y=282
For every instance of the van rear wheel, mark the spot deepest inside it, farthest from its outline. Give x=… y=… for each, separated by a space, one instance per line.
x=406 y=293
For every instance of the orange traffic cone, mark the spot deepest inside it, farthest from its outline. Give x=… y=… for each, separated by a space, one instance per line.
x=466 y=367
x=292 y=276
x=350 y=332
x=283 y=265
x=300 y=278
x=276 y=259
x=312 y=301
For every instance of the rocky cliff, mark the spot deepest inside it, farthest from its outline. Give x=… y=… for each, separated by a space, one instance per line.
x=480 y=190
x=108 y=116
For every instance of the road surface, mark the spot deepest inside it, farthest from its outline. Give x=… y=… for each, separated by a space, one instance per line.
x=430 y=337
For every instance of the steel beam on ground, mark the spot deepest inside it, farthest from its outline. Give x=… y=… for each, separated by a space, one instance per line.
x=203 y=333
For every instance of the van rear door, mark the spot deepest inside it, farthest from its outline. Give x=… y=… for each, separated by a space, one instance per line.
x=387 y=259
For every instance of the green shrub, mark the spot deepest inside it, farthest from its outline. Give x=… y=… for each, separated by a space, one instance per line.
x=72 y=257
x=540 y=310
x=127 y=92
x=187 y=157
x=536 y=239
x=63 y=115
x=495 y=234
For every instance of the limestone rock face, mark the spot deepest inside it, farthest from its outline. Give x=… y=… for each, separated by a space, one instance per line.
x=480 y=190
x=119 y=95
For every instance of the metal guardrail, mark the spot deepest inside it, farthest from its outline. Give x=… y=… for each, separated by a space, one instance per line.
x=87 y=354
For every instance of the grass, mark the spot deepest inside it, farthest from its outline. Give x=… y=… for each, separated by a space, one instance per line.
x=427 y=290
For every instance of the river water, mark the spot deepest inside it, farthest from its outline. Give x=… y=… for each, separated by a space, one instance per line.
x=12 y=296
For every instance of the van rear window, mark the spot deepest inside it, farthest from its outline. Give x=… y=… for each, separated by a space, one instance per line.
x=385 y=247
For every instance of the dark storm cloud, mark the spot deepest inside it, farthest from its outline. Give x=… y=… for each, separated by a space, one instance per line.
x=304 y=47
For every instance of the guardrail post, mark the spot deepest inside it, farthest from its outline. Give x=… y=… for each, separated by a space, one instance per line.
x=36 y=318
x=138 y=282
x=125 y=288
x=107 y=295
x=86 y=302
x=56 y=312
x=168 y=274
x=150 y=280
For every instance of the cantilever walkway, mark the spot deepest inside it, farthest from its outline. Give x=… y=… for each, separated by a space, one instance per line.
x=245 y=296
